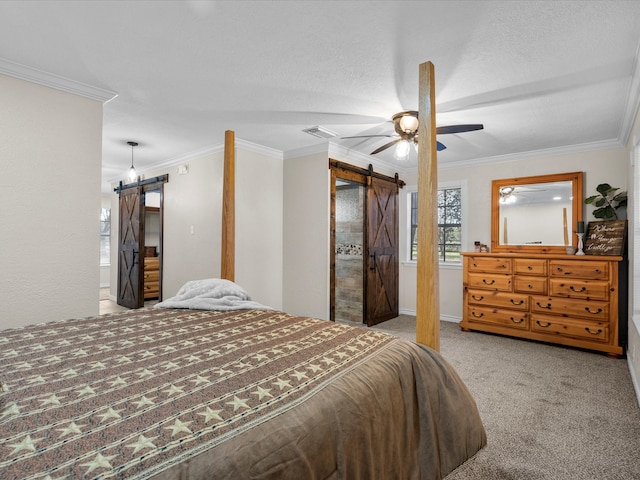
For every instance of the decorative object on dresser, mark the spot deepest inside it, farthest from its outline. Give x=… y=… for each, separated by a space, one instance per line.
x=554 y=298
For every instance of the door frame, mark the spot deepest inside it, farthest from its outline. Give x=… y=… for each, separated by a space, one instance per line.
x=363 y=177
x=142 y=186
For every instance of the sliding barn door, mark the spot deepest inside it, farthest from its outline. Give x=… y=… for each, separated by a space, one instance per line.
x=381 y=264
x=130 y=246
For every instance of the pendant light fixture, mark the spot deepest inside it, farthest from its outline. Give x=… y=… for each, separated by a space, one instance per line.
x=132 y=171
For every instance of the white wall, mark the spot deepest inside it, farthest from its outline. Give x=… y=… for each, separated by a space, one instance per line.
x=193 y=220
x=51 y=154
x=633 y=351
x=306 y=236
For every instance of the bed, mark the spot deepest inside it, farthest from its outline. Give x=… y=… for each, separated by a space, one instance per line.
x=228 y=393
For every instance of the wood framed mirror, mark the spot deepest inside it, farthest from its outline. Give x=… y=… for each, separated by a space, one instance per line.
x=536 y=214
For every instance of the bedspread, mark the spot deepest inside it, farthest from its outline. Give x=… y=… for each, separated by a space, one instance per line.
x=243 y=394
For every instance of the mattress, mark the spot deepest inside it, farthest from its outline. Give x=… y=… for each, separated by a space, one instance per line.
x=175 y=393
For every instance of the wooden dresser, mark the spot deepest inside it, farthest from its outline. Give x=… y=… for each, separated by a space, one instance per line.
x=151 y=277
x=564 y=299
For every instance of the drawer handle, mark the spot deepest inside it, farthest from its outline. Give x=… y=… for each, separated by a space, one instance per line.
x=530 y=286
x=503 y=266
x=598 y=332
x=573 y=289
x=559 y=269
x=516 y=303
x=476 y=315
x=548 y=324
x=481 y=297
x=588 y=310
x=597 y=270
x=530 y=267
x=520 y=320
x=547 y=306
x=484 y=280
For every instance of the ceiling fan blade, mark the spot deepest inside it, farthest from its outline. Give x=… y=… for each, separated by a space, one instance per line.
x=459 y=128
x=386 y=145
x=440 y=146
x=366 y=136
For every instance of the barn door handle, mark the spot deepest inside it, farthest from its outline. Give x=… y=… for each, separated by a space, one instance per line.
x=373 y=256
x=135 y=257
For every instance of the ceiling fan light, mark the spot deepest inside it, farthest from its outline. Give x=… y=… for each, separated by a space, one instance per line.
x=402 y=150
x=408 y=123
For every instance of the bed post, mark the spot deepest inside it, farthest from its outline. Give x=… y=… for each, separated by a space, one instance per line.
x=428 y=295
x=227 y=261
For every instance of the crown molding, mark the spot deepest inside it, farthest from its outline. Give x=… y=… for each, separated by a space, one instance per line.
x=633 y=101
x=210 y=150
x=57 y=82
x=548 y=152
x=260 y=149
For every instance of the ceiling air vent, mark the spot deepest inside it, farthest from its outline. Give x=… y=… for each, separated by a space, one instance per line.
x=320 y=132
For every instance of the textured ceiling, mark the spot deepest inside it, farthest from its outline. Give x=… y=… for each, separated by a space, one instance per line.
x=540 y=75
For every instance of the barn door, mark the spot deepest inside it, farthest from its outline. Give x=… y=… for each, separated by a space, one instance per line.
x=130 y=246
x=381 y=262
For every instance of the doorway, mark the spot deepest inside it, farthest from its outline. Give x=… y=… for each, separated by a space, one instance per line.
x=349 y=238
x=140 y=248
x=364 y=262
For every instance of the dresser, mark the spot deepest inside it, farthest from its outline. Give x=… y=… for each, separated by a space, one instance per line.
x=555 y=298
x=151 y=277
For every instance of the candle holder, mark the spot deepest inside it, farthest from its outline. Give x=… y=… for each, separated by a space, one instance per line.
x=580 y=245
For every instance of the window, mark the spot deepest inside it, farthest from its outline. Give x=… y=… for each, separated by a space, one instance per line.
x=105 y=236
x=449 y=225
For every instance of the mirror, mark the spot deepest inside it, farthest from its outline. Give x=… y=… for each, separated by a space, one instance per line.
x=536 y=214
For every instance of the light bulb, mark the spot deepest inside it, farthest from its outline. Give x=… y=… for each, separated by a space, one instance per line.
x=402 y=150
x=132 y=173
x=408 y=123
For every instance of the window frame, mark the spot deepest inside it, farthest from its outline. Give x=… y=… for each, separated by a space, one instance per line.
x=462 y=185
x=105 y=236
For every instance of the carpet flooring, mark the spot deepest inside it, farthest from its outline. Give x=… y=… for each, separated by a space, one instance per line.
x=550 y=412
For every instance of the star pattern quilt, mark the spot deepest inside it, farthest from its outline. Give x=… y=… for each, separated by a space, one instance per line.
x=158 y=392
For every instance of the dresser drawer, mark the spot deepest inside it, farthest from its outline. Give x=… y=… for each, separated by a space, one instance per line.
x=498 y=316
x=570 y=307
x=529 y=266
x=498 y=299
x=570 y=327
x=536 y=285
x=151 y=263
x=151 y=276
x=568 y=287
x=490 y=264
x=577 y=269
x=490 y=282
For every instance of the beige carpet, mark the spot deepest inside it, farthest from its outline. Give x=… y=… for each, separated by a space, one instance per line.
x=550 y=412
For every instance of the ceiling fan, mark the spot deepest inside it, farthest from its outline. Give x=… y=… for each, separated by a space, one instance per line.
x=405 y=125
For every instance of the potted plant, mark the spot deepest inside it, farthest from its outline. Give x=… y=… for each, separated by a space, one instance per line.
x=607 y=202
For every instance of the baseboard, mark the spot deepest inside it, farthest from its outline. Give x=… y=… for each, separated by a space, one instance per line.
x=634 y=378
x=444 y=318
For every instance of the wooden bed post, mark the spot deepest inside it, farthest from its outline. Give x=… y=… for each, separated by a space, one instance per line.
x=428 y=292
x=227 y=262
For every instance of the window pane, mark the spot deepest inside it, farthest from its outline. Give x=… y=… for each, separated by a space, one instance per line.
x=105 y=236
x=449 y=217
